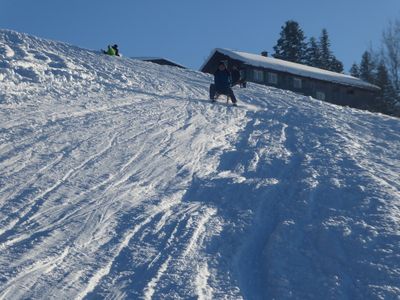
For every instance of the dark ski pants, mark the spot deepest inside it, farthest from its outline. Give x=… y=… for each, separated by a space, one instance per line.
x=226 y=91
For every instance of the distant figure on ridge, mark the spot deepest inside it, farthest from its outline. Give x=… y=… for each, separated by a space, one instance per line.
x=112 y=50
x=222 y=84
x=115 y=47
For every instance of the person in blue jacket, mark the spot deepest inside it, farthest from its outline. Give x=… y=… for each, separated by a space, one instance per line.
x=222 y=84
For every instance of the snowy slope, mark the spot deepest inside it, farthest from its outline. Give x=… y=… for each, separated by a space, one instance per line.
x=119 y=180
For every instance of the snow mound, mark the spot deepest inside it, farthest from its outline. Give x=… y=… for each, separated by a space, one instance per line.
x=120 y=180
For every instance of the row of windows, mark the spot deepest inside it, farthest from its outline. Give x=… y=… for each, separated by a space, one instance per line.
x=272 y=78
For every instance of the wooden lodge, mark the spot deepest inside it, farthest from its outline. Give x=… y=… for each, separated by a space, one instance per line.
x=324 y=85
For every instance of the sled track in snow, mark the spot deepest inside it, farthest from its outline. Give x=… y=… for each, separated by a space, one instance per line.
x=103 y=204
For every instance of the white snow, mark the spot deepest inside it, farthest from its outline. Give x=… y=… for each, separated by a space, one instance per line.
x=292 y=68
x=6 y=51
x=120 y=180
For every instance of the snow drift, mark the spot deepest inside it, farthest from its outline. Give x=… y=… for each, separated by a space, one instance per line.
x=119 y=180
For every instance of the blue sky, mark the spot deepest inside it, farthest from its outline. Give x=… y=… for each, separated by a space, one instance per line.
x=186 y=31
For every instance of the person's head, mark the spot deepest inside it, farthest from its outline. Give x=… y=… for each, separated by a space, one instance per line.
x=221 y=66
x=115 y=46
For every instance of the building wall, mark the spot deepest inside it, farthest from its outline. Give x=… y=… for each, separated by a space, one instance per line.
x=326 y=91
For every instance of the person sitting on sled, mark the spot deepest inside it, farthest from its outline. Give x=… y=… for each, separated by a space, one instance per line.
x=115 y=47
x=222 y=84
x=112 y=50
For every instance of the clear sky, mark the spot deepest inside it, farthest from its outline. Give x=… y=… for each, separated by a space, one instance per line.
x=187 y=30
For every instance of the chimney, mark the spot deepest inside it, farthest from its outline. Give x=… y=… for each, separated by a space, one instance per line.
x=264 y=53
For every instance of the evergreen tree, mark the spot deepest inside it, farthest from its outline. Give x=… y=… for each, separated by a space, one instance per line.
x=373 y=69
x=313 y=54
x=325 y=48
x=291 y=45
x=386 y=99
x=382 y=76
x=328 y=60
x=335 y=65
x=355 y=70
x=367 y=67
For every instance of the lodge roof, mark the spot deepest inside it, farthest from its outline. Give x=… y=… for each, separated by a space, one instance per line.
x=154 y=58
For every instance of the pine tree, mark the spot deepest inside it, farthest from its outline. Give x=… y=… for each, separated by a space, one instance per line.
x=313 y=54
x=382 y=76
x=355 y=70
x=373 y=69
x=325 y=48
x=367 y=67
x=291 y=45
x=328 y=60
x=386 y=99
x=335 y=65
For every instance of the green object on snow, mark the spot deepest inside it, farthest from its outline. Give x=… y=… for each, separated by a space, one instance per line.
x=111 y=51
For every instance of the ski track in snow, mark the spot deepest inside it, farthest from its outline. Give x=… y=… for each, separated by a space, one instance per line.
x=119 y=180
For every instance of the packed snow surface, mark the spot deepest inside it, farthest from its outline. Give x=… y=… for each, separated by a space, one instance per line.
x=120 y=180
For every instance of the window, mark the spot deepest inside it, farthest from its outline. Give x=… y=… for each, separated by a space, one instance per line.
x=272 y=78
x=320 y=96
x=258 y=75
x=297 y=83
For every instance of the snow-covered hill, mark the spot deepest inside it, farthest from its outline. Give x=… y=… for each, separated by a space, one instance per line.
x=120 y=180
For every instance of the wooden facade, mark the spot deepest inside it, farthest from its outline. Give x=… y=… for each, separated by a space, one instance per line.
x=333 y=92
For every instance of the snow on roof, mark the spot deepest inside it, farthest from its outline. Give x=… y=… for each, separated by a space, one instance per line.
x=292 y=68
x=150 y=58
